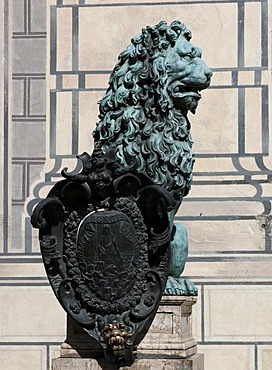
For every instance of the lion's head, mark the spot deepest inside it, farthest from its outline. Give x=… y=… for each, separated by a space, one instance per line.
x=143 y=114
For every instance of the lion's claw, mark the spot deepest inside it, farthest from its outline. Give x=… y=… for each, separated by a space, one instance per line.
x=180 y=286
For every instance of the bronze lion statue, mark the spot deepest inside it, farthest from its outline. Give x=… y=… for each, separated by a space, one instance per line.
x=144 y=115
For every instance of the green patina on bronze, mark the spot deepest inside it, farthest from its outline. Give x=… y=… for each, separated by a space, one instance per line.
x=143 y=115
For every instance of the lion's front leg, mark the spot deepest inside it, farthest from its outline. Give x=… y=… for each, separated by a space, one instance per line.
x=178 y=256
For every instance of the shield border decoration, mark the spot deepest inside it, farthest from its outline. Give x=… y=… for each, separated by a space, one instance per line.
x=105 y=188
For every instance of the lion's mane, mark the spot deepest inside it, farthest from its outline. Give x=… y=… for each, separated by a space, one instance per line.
x=137 y=116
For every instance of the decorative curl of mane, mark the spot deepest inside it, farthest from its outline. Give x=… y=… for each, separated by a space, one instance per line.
x=137 y=116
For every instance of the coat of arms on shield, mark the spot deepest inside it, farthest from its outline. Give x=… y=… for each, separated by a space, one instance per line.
x=104 y=236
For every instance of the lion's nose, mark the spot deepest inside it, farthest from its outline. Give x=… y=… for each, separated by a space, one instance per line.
x=208 y=72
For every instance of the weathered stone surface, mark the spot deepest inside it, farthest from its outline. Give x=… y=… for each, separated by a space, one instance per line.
x=195 y=362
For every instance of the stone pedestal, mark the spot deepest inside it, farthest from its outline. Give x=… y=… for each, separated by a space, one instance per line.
x=169 y=343
x=195 y=362
x=171 y=330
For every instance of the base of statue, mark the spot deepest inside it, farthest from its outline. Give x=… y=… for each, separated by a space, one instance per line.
x=168 y=341
x=195 y=362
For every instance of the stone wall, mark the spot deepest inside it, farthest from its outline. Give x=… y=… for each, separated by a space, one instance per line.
x=56 y=57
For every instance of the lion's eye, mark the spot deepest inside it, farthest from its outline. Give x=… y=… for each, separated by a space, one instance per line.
x=187 y=57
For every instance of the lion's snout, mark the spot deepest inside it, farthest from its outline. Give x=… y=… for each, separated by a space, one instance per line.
x=208 y=73
x=201 y=75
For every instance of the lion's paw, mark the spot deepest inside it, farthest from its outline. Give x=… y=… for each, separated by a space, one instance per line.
x=180 y=286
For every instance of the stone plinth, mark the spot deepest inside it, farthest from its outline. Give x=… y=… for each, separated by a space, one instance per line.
x=171 y=330
x=169 y=343
x=195 y=362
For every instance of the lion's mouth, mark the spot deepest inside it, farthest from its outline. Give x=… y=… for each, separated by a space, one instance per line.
x=185 y=98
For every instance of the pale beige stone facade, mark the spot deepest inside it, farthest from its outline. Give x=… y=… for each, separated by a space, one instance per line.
x=56 y=57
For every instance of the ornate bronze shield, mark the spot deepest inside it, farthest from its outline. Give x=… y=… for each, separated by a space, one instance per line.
x=104 y=237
